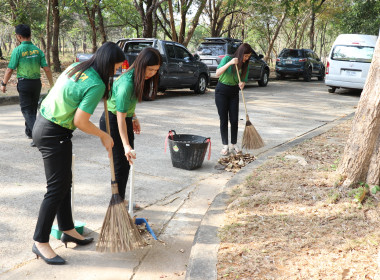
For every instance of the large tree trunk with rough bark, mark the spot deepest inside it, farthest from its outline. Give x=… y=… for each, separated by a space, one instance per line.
x=273 y=39
x=361 y=160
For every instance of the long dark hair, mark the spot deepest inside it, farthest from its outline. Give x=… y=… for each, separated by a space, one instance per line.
x=240 y=52
x=147 y=57
x=103 y=61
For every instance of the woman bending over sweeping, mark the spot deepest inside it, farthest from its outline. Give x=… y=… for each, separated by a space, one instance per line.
x=227 y=94
x=68 y=106
x=139 y=82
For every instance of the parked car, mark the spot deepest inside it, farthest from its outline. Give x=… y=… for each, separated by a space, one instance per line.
x=299 y=63
x=349 y=60
x=180 y=69
x=212 y=50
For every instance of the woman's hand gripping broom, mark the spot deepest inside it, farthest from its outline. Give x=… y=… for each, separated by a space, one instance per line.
x=251 y=138
x=119 y=232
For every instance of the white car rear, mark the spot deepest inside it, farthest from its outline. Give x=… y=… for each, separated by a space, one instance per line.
x=349 y=61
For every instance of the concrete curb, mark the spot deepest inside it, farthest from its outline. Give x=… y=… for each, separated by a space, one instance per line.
x=14 y=99
x=204 y=253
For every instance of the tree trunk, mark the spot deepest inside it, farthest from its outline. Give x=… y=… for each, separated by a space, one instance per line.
x=55 y=49
x=194 y=22
x=273 y=39
x=101 y=25
x=356 y=165
x=172 y=24
x=48 y=33
x=373 y=176
x=91 y=18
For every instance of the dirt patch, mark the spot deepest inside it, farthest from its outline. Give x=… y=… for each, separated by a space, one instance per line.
x=291 y=220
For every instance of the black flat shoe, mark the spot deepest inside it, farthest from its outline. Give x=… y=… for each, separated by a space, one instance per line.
x=56 y=260
x=68 y=238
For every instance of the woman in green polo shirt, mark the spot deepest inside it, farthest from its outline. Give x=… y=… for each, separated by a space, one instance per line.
x=138 y=82
x=69 y=105
x=227 y=94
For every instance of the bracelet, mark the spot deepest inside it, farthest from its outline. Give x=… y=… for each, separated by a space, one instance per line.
x=134 y=118
x=3 y=84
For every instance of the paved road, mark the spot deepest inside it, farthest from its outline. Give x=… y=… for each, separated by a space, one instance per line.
x=175 y=200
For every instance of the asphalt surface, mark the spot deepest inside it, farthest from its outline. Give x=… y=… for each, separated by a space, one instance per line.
x=176 y=201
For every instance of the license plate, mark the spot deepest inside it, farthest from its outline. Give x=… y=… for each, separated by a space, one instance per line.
x=288 y=61
x=207 y=61
x=351 y=73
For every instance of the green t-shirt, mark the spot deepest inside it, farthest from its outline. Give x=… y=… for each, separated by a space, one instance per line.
x=60 y=105
x=229 y=76
x=123 y=98
x=28 y=59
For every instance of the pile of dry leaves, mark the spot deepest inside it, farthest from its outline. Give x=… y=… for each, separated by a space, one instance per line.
x=235 y=162
x=291 y=220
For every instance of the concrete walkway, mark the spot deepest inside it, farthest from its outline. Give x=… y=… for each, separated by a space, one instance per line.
x=175 y=200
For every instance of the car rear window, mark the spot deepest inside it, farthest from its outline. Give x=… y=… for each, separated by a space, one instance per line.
x=291 y=53
x=353 y=53
x=216 y=49
x=136 y=47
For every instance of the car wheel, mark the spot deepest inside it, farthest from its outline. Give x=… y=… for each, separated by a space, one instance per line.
x=307 y=75
x=321 y=76
x=200 y=87
x=331 y=90
x=264 y=79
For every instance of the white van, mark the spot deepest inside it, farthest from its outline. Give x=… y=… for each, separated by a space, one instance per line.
x=349 y=60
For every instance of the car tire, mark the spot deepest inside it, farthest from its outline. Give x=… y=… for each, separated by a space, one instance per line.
x=321 y=76
x=307 y=75
x=331 y=90
x=200 y=87
x=264 y=79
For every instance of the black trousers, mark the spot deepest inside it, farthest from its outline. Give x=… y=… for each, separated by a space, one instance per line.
x=54 y=143
x=120 y=161
x=29 y=92
x=227 y=103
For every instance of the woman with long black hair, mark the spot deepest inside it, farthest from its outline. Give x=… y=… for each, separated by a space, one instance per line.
x=69 y=105
x=138 y=83
x=227 y=94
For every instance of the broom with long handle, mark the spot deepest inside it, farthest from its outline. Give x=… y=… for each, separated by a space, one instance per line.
x=119 y=232
x=251 y=138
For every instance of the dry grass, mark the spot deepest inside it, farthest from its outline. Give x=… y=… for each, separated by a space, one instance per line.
x=293 y=221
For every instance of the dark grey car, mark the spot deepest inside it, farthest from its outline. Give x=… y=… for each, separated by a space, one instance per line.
x=212 y=50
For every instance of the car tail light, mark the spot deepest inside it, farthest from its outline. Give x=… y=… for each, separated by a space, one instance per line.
x=278 y=60
x=76 y=59
x=302 y=60
x=124 y=66
x=221 y=56
x=327 y=67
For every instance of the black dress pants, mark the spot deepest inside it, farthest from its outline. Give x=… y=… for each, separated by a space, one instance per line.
x=120 y=161
x=54 y=143
x=227 y=103
x=29 y=92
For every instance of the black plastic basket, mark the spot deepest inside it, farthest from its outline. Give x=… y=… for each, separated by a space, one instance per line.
x=187 y=151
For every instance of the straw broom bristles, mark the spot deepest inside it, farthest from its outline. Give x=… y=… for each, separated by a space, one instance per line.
x=251 y=138
x=119 y=232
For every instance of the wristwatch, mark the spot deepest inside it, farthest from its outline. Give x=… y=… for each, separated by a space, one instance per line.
x=2 y=83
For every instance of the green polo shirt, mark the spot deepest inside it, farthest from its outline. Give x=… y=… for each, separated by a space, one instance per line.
x=60 y=105
x=123 y=97
x=229 y=76
x=28 y=59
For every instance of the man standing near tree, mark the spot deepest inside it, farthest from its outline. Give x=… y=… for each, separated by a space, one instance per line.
x=27 y=59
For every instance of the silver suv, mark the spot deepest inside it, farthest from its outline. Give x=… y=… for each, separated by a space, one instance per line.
x=212 y=50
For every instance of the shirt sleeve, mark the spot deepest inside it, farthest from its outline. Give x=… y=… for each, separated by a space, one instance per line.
x=13 y=63
x=92 y=98
x=43 y=60
x=123 y=96
x=224 y=61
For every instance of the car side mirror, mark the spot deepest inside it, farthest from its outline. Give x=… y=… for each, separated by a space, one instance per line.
x=318 y=59
x=196 y=57
x=260 y=56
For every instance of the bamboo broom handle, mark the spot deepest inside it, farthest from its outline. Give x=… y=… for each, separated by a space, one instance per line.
x=111 y=157
x=242 y=94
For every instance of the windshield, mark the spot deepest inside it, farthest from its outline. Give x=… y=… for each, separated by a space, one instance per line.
x=136 y=47
x=353 y=53
x=211 y=49
x=291 y=53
